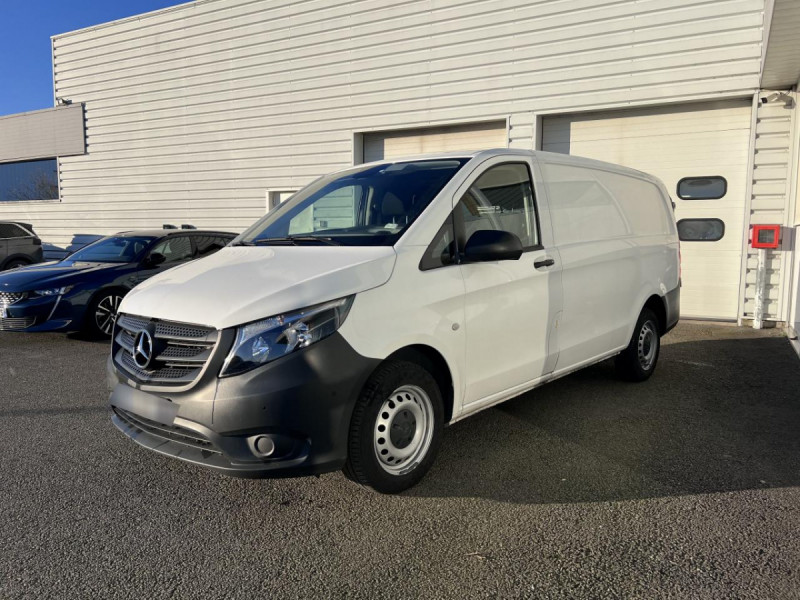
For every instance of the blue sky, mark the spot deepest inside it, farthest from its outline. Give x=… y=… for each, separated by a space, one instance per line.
x=26 y=75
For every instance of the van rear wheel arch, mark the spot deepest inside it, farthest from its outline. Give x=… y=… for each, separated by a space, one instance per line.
x=656 y=304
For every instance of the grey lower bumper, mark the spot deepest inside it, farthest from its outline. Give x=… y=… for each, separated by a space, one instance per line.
x=672 y=302
x=302 y=403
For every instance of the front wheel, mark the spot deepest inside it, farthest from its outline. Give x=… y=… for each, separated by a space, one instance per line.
x=101 y=314
x=638 y=361
x=396 y=428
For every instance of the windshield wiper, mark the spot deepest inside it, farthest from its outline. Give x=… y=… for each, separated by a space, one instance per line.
x=295 y=240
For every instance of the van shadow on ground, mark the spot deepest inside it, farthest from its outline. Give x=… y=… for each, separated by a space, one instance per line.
x=719 y=415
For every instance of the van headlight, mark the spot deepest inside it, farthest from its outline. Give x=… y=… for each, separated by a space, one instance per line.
x=264 y=341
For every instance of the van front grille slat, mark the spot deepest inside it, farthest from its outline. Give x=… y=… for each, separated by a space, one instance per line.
x=181 y=351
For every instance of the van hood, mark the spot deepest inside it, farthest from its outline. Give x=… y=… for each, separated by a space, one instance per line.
x=241 y=284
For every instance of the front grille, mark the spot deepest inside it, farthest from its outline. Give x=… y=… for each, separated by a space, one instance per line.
x=180 y=351
x=174 y=433
x=9 y=298
x=12 y=324
x=170 y=375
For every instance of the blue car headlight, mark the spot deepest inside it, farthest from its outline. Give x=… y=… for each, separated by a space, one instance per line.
x=263 y=341
x=59 y=291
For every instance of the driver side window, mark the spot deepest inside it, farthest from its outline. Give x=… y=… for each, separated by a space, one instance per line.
x=501 y=199
x=174 y=249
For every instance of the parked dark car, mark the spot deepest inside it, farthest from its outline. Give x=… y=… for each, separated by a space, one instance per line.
x=19 y=245
x=83 y=291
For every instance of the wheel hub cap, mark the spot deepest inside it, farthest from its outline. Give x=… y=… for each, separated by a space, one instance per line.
x=106 y=313
x=403 y=429
x=647 y=345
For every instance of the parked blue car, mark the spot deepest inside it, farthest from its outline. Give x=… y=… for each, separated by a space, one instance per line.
x=83 y=291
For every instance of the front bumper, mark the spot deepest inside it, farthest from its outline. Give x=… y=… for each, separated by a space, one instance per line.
x=302 y=403
x=49 y=313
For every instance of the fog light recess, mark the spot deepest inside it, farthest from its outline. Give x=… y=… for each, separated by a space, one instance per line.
x=263 y=446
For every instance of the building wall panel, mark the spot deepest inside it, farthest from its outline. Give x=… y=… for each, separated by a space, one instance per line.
x=194 y=111
x=770 y=202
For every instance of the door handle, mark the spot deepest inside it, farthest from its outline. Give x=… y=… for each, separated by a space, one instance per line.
x=546 y=262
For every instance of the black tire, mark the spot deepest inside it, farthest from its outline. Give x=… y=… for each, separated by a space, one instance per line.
x=396 y=390
x=638 y=361
x=101 y=314
x=17 y=262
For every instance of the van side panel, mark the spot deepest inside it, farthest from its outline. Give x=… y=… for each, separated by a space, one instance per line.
x=612 y=231
x=414 y=307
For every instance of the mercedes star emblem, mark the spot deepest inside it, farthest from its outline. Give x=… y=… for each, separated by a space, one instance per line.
x=143 y=349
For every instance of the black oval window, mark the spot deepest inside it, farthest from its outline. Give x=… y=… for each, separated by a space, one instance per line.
x=700 y=230
x=702 y=188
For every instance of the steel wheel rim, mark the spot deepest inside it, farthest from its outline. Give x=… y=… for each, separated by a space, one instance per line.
x=647 y=345
x=106 y=313
x=403 y=430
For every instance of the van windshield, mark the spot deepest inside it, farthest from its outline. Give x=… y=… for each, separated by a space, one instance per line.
x=366 y=206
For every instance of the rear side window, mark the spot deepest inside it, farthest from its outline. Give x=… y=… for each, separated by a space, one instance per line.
x=175 y=249
x=643 y=203
x=208 y=244
x=501 y=199
x=702 y=188
x=701 y=230
x=583 y=209
x=11 y=230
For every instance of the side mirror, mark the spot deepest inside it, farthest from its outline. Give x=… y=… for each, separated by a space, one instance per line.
x=155 y=259
x=488 y=245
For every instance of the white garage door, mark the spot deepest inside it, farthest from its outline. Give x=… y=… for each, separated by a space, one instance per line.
x=687 y=141
x=408 y=142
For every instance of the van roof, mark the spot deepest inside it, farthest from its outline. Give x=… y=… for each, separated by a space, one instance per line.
x=546 y=156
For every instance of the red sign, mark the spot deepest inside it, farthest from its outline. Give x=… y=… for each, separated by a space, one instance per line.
x=766 y=236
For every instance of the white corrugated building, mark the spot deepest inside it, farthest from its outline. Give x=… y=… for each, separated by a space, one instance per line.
x=208 y=112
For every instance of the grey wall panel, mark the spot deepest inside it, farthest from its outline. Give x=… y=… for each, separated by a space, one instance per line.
x=193 y=112
x=42 y=134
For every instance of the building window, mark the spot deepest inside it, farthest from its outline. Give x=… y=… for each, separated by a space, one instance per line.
x=702 y=188
x=277 y=197
x=700 y=230
x=29 y=180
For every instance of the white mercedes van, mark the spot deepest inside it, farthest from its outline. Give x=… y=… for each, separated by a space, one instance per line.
x=351 y=323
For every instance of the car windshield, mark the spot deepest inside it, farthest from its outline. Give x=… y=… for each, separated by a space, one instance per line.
x=121 y=249
x=366 y=206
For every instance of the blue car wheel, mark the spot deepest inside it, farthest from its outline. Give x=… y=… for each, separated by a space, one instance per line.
x=102 y=314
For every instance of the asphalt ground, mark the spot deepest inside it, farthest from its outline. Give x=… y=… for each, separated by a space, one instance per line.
x=685 y=486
